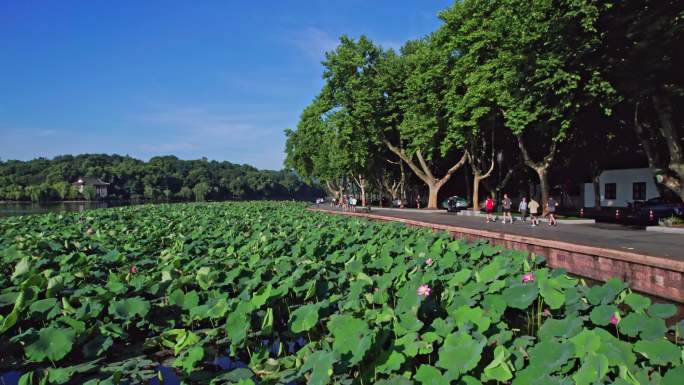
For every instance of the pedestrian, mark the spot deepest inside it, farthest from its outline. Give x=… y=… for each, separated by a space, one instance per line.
x=345 y=202
x=506 y=203
x=489 y=206
x=533 y=206
x=352 y=203
x=551 y=205
x=418 y=201
x=523 y=209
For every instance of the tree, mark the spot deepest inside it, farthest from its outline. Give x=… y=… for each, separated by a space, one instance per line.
x=421 y=132
x=640 y=55
x=201 y=190
x=538 y=73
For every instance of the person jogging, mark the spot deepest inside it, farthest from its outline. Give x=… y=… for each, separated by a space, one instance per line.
x=522 y=207
x=506 y=203
x=489 y=206
x=551 y=205
x=533 y=206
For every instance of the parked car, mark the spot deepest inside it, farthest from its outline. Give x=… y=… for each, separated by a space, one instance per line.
x=661 y=208
x=454 y=203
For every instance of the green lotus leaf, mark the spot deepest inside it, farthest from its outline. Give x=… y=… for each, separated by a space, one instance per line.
x=238 y=323
x=259 y=298
x=390 y=361
x=564 y=328
x=321 y=365
x=520 y=296
x=52 y=343
x=585 y=342
x=605 y=293
x=659 y=352
x=673 y=376
x=304 y=318
x=429 y=375
x=631 y=324
x=498 y=369
x=662 y=310
x=43 y=305
x=473 y=315
x=600 y=315
x=550 y=355
x=127 y=309
x=491 y=271
x=460 y=277
x=619 y=353
x=652 y=328
x=637 y=302
x=594 y=368
x=351 y=335
x=21 y=268
x=459 y=353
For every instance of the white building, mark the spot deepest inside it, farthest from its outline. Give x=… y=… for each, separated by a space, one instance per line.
x=618 y=187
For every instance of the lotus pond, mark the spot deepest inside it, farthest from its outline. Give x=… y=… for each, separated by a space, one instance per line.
x=271 y=293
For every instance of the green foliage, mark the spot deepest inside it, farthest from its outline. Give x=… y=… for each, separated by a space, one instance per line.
x=165 y=177
x=299 y=296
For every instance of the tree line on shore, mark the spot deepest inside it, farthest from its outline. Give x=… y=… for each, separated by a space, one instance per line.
x=161 y=178
x=563 y=88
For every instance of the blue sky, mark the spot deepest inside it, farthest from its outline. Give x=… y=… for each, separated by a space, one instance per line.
x=220 y=79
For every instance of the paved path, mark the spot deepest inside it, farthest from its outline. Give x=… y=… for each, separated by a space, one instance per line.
x=602 y=235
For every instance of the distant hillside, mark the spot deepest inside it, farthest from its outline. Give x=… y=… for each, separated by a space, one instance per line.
x=161 y=178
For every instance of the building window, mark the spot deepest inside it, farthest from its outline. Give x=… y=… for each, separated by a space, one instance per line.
x=639 y=191
x=610 y=190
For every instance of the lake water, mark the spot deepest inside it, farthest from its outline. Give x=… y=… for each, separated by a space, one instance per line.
x=8 y=209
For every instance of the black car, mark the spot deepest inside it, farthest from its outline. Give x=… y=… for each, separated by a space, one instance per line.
x=661 y=208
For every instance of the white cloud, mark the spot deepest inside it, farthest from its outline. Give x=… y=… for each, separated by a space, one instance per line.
x=314 y=42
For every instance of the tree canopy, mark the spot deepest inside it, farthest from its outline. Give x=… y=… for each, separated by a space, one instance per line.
x=528 y=78
x=161 y=178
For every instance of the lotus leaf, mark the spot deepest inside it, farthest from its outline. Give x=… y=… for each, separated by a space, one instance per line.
x=304 y=318
x=659 y=352
x=52 y=343
x=129 y=308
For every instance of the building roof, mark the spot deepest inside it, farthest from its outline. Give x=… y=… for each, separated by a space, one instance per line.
x=90 y=181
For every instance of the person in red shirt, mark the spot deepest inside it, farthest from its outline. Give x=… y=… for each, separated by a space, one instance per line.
x=489 y=206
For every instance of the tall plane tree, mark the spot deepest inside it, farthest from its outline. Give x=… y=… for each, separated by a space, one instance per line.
x=419 y=139
x=539 y=69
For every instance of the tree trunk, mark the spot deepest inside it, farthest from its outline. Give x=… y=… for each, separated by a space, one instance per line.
x=542 y=172
x=469 y=194
x=433 y=189
x=476 y=193
x=361 y=182
x=542 y=169
x=423 y=172
x=403 y=184
x=597 y=192
x=663 y=108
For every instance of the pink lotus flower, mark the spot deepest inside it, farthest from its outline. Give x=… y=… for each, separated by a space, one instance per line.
x=529 y=277
x=424 y=290
x=134 y=270
x=614 y=320
x=428 y=261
